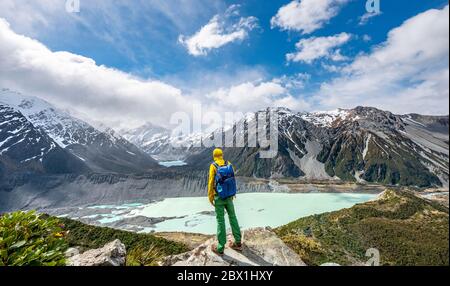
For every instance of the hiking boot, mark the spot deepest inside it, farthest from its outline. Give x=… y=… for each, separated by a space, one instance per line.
x=216 y=251
x=236 y=246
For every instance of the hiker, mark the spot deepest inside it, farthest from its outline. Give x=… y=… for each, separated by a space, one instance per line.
x=221 y=193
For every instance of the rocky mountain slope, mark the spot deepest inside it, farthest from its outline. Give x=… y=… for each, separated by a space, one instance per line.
x=361 y=145
x=27 y=149
x=101 y=151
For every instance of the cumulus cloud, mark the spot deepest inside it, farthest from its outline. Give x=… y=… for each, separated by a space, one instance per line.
x=315 y=48
x=220 y=31
x=407 y=73
x=118 y=99
x=252 y=96
x=306 y=16
x=73 y=81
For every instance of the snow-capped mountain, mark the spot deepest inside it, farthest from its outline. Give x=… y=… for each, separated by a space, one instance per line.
x=161 y=143
x=362 y=144
x=102 y=151
x=26 y=148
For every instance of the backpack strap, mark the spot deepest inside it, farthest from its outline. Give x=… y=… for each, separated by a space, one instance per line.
x=217 y=165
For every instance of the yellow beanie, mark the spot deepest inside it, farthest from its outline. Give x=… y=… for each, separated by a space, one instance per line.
x=218 y=153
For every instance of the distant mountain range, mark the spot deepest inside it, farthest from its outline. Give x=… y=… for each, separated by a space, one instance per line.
x=37 y=137
x=361 y=145
x=159 y=142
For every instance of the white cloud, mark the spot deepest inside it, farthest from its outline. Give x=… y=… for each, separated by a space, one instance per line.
x=29 y=16
x=315 y=48
x=118 y=99
x=252 y=96
x=364 y=19
x=75 y=82
x=294 y=82
x=306 y=16
x=367 y=38
x=220 y=30
x=407 y=73
x=124 y=26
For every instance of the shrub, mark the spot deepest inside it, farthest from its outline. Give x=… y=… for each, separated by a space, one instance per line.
x=406 y=229
x=142 y=248
x=141 y=257
x=29 y=239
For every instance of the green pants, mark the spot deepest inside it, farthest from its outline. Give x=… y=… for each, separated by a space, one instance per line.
x=221 y=206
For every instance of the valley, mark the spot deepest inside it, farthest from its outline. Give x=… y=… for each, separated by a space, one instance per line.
x=196 y=215
x=135 y=182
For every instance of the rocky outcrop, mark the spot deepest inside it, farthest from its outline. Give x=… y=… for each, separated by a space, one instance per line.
x=112 y=254
x=261 y=247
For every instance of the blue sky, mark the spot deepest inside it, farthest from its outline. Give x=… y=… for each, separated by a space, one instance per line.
x=158 y=54
x=142 y=39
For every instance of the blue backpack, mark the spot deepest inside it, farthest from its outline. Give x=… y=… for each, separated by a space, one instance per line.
x=225 y=181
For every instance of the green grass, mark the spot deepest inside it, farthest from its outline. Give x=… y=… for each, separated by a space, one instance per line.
x=407 y=230
x=142 y=249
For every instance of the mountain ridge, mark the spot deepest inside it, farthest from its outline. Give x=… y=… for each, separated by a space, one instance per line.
x=359 y=145
x=101 y=151
x=362 y=145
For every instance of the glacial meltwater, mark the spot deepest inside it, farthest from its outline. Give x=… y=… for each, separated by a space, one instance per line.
x=196 y=215
x=169 y=164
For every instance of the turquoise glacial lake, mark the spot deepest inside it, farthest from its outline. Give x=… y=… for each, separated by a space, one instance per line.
x=169 y=164
x=196 y=215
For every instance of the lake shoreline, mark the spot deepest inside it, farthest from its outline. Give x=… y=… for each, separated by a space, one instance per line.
x=196 y=215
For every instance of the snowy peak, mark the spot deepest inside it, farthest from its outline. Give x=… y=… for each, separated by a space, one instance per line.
x=326 y=118
x=102 y=151
x=25 y=148
x=62 y=127
x=339 y=117
x=363 y=145
x=146 y=134
x=17 y=131
x=161 y=143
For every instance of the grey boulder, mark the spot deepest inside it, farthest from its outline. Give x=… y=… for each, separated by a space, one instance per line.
x=261 y=248
x=112 y=254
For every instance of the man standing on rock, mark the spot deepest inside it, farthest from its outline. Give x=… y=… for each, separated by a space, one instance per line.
x=221 y=193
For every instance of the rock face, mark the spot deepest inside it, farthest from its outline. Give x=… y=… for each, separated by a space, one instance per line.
x=261 y=247
x=112 y=254
x=361 y=145
x=71 y=252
